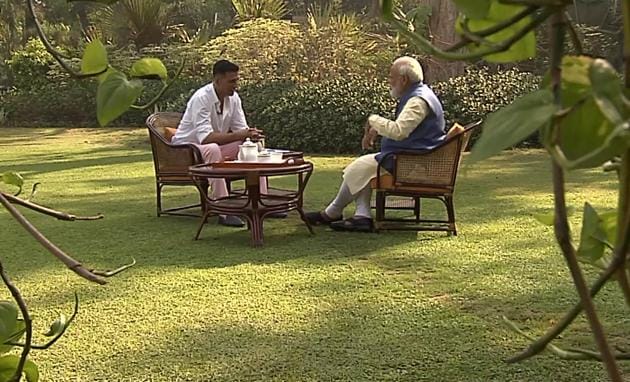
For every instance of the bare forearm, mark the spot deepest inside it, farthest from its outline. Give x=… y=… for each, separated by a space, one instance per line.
x=225 y=138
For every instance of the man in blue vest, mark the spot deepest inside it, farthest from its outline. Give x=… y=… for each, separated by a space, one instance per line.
x=419 y=125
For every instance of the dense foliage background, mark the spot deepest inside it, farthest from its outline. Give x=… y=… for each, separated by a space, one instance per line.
x=312 y=70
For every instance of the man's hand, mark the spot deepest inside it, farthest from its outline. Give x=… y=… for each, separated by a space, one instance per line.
x=254 y=133
x=251 y=133
x=369 y=136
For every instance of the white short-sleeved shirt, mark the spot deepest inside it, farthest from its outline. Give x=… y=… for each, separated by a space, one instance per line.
x=203 y=116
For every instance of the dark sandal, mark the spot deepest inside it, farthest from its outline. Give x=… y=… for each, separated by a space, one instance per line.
x=354 y=224
x=319 y=218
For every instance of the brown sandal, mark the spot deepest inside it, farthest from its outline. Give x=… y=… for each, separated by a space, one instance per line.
x=319 y=218
x=354 y=224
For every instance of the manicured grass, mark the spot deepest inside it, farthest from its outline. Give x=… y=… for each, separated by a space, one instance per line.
x=334 y=306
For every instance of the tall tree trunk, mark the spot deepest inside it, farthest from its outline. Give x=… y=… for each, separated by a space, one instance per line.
x=442 y=33
x=374 y=9
x=81 y=9
x=29 y=29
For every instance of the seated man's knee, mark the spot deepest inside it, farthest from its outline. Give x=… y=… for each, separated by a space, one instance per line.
x=211 y=153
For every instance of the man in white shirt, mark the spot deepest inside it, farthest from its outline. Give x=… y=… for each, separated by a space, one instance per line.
x=419 y=124
x=215 y=122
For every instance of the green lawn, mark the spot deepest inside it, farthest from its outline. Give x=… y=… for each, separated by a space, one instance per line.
x=334 y=306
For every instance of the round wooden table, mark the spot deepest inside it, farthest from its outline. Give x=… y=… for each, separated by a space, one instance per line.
x=250 y=203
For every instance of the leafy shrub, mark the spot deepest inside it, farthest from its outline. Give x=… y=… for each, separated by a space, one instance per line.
x=338 y=46
x=57 y=104
x=264 y=49
x=327 y=117
x=30 y=65
x=473 y=96
x=257 y=96
x=324 y=117
x=73 y=103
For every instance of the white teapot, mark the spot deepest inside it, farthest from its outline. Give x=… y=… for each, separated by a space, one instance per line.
x=248 y=151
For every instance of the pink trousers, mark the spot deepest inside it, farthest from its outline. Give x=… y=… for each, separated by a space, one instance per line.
x=213 y=153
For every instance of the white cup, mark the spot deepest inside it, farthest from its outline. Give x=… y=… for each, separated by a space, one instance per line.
x=264 y=157
x=276 y=157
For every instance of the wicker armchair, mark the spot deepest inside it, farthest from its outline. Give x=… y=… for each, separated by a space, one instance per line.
x=171 y=162
x=421 y=174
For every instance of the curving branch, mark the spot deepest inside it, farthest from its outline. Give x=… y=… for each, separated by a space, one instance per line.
x=48 y=211
x=615 y=265
x=58 y=335
x=473 y=37
x=573 y=33
x=623 y=223
x=116 y=271
x=68 y=261
x=572 y=354
x=28 y=322
x=58 y=56
x=33 y=191
x=501 y=46
x=494 y=29
x=558 y=154
x=163 y=90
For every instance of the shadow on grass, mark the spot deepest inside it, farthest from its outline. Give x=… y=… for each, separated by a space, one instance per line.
x=414 y=343
x=28 y=136
x=49 y=166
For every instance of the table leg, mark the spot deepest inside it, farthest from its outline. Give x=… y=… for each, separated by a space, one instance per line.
x=204 y=220
x=303 y=216
x=257 y=231
x=252 y=182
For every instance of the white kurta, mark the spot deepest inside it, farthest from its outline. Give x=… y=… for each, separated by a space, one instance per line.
x=358 y=174
x=203 y=116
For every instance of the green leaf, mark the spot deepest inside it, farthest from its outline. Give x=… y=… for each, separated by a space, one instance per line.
x=388 y=9
x=103 y=77
x=8 y=320
x=546 y=218
x=9 y=365
x=586 y=130
x=149 y=68
x=513 y=123
x=608 y=91
x=20 y=328
x=58 y=326
x=94 y=58
x=474 y=9
x=522 y=49
x=13 y=178
x=575 y=71
x=590 y=249
x=608 y=229
x=115 y=95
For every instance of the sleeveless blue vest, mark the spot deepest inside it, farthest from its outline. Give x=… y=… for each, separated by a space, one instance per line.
x=429 y=133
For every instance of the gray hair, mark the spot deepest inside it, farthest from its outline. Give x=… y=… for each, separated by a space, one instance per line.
x=410 y=68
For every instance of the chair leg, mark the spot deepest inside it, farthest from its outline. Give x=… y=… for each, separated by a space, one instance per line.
x=450 y=209
x=380 y=210
x=416 y=209
x=158 y=193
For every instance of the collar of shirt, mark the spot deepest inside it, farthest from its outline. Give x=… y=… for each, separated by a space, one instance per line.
x=215 y=99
